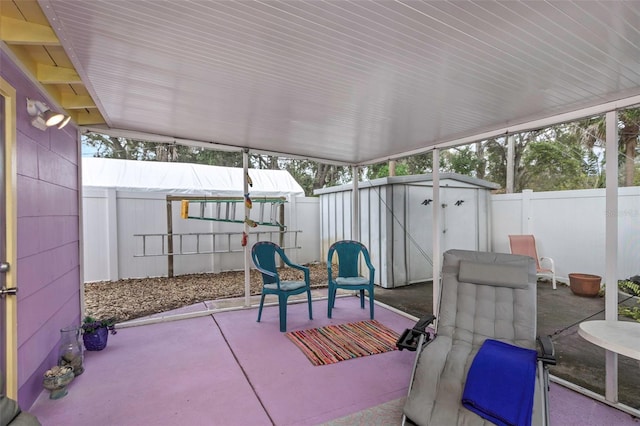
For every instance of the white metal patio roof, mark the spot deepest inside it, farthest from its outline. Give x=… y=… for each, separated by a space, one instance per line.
x=347 y=81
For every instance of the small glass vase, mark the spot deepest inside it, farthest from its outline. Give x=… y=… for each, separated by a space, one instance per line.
x=70 y=351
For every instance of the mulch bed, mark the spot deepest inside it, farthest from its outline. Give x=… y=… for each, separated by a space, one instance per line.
x=138 y=297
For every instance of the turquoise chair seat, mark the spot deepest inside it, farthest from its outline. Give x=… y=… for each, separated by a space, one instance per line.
x=345 y=281
x=264 y=258
x=348 y=274
x=286 y=285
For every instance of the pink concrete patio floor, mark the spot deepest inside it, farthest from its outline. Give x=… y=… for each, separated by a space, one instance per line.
x=227 y=369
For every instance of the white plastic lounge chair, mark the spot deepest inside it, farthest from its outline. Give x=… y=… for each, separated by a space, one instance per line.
x=486 y=298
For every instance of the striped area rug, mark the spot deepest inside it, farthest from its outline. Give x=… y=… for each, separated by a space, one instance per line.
x=335 y=343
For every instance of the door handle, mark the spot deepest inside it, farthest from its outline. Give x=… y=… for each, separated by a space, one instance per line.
x=5 y=290
x=4 y=267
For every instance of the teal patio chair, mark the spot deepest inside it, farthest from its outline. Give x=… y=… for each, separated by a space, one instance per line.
x=264 y=257
x=348 y=272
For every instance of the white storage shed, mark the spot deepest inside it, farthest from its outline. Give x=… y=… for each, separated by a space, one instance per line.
x=396 y=221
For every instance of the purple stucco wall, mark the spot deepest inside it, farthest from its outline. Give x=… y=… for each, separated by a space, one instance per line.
x=48 y=270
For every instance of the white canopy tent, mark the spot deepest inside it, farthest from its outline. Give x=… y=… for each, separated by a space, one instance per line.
x=185 y=178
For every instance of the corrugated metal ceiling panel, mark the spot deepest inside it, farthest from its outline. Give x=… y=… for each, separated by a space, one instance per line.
x=341 y=80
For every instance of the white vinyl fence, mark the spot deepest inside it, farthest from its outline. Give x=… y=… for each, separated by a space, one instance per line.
x=569 y=227
x=113 y=221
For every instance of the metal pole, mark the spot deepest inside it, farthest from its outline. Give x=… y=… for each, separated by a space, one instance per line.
x=169 y=238
x=282 y=228
x=510 y=165
x=611 y=248
x=247 y=258
x=355 y=206
x=435 y=230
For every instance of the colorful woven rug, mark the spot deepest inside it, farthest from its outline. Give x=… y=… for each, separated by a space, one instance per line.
x=335 y=343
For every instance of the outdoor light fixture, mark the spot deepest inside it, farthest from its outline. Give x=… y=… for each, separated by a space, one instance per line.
x=43 y=117
x=64 y=122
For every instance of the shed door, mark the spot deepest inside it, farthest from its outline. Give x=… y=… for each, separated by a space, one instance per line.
x=459 y=218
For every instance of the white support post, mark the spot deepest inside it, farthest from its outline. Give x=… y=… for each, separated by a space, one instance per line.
x=80 y=221
x=435 y=231
x=510 y=165
x=355 y=206
x=293 y=224
x=611 y=248
x=247 y=254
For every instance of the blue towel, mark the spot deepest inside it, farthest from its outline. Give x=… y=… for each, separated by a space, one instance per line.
x=501 y=383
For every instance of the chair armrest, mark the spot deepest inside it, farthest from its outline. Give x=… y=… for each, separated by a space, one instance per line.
x=372 y=270
x=421 y=325
x=299 y=267
x=548 y=355
x=304 y=269
x=296 y=266
x=550 y=261
x=288 y=261
x=367 y=261
x=411 y=336
x=370 y=266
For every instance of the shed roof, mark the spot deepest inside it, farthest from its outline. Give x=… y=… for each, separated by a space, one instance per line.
x=425 y=179
x=184 y=178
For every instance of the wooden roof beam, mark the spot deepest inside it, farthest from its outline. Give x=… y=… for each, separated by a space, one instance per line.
x=48 y=74
x=77 y=101
x=16 y=31
x=87 y=117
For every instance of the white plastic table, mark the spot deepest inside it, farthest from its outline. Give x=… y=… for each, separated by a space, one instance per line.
x=622 y=337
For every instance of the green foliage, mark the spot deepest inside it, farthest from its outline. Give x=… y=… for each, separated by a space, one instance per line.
x=630 y=312
x=463 y=160
x=553 y=165
x=91 y=325
x=496 y=154
x=381 y=170
x=312 y=175
x=629 y=287
x=215 y=158
x=592 y=134
x=633 y=289
x=414 y=165
x=419 y=164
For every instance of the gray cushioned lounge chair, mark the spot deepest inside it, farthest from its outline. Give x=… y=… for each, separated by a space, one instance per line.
x=483 y=296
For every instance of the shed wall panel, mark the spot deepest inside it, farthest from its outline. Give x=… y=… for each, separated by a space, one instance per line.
x=417 y=234
x=396 y=226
